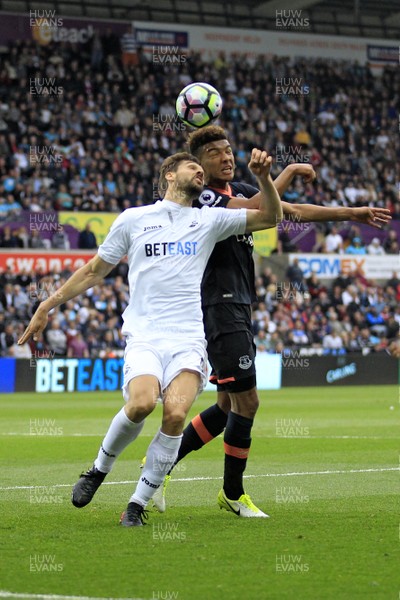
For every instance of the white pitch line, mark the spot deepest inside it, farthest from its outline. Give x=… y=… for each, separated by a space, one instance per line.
x=5 y=594
x=185 y=479
x=274 y=437
x=27 y=434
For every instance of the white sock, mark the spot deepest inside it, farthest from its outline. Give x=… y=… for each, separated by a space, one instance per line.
x=120 y=434
x=161 y=455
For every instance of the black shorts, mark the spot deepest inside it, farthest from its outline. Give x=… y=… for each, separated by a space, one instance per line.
x=231 y=349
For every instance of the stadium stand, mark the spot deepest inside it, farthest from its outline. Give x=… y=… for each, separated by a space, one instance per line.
x=108 y=126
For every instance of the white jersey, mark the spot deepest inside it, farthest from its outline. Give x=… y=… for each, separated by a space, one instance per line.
x=168 y=246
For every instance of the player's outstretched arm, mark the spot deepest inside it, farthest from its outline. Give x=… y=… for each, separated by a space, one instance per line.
x=305 y=213
x=269 y=213
x=84 y=278
x=282 y=182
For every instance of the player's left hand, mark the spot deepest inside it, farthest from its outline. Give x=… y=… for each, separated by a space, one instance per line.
x=260 y=163
x=376 y=217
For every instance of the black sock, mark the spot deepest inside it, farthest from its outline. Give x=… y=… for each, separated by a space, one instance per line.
x=202 y=429
x=237 y=443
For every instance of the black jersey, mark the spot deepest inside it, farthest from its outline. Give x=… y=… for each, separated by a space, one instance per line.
x=229 y=274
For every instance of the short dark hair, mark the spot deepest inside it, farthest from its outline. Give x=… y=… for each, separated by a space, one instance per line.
x=171 y=163
x=197 y=139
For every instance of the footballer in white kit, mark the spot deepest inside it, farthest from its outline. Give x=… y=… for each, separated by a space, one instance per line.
x=168 y=246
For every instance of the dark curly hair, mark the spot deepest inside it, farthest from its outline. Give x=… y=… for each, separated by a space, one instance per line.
x=197 y=139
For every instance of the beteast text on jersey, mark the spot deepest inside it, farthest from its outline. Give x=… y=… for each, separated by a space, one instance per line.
x=170 y=248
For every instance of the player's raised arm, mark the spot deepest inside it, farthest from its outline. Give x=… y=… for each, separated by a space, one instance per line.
x=84 y=278
x=282 y=182
x=285 y=178
x=269 y=213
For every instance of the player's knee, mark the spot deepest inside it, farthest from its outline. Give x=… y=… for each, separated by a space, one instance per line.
x=246 y=403
x=140 y=404
x=174 y=421
x=252 y=402
x=224 y=402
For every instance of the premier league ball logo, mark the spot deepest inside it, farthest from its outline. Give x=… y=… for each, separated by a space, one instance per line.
x=207 y=197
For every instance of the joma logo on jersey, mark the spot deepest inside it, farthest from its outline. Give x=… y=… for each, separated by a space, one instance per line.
x=171 y=249
x=152 y=227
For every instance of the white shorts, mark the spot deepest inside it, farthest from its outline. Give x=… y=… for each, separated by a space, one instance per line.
x=165 y=360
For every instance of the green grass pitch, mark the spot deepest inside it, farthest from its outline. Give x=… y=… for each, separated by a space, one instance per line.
x=324 y=465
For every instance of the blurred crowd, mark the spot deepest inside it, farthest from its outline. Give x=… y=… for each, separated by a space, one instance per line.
x=291 y=314
x=89 y=325
x=350 y=314
x=81 y=130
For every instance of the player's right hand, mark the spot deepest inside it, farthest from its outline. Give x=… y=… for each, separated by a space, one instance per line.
x=260 y=163
x=36 y=326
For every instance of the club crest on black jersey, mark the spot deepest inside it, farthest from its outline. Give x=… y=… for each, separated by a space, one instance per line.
x=209 y=198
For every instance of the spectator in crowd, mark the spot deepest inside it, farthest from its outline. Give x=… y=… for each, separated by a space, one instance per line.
x=129 y=48
x=56 y=339
x=332 y=341
x=366 y=339
x=393 y=326
x=261 y=341
x=375 y=247
x=374 y=317
x=394 y=281
x=285 y=244
x=391 y=243
x=23 y=236
x=124 y=117
x=356 y=247
x=7 y=339
x=77 y=347
x=298 y=335
x=9 y=239
x=296 y=276
x=314 y=286
x=7 y=297
x=20 y=300
x=7 y=276
x=23 y=351
x=36 y=241
x=60 y=240
x=23 y=278
x=87 y=239
x=334 y=241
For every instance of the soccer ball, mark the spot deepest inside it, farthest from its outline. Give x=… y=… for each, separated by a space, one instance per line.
x=198 y=104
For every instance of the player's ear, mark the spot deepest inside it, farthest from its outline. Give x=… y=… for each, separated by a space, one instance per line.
x=170 y=176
